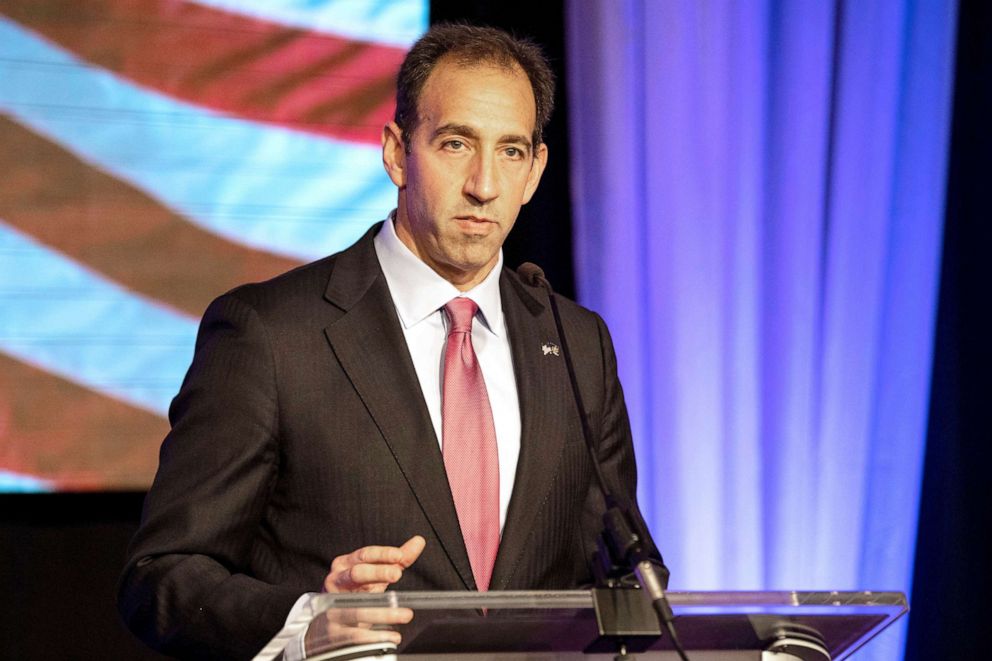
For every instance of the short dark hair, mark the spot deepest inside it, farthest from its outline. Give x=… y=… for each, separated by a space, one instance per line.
x=471 y=45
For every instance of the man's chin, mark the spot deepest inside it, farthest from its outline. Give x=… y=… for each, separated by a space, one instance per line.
x=472 y=266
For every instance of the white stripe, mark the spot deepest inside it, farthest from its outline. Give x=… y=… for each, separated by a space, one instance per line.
x=11 y=482
x=62 y=317
x=266 y=187
x=389 y=22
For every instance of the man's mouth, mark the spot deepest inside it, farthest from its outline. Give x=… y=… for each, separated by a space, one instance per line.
x=479 y=226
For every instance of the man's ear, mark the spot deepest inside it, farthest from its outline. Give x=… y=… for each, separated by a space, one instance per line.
x=394 y=154
x=536 y=170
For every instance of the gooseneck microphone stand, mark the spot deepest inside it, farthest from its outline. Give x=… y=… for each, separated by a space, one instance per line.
x=627 y=566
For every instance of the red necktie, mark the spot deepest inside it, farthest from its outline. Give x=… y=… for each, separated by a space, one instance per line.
x=469 y=443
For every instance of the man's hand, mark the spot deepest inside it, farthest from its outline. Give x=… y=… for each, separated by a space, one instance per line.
x=340 y=627
x=369 y=569
x=372 y=568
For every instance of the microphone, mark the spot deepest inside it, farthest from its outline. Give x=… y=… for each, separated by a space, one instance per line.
x=533 y=275
x=627 y=539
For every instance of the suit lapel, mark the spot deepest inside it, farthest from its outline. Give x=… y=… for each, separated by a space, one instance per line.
x=541 y=390
x=369 y=344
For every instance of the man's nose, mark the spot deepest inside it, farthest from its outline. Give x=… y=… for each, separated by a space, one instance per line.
x=482 y=184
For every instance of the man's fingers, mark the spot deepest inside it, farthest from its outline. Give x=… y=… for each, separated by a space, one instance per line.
x=411 y=550
x=331 y=636
x=377 y=555
x=342 y=581
x=356 y=636
x=367 y=617
x=359 y=576
x=372 y=568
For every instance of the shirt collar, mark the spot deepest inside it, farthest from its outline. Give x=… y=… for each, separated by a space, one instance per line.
x=418 y=291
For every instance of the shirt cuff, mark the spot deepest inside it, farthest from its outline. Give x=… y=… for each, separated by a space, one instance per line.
x=303 y=608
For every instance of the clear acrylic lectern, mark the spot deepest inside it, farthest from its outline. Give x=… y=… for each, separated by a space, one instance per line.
x=538 y=626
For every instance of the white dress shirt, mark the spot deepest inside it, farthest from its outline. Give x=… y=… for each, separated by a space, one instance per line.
x=419 y=295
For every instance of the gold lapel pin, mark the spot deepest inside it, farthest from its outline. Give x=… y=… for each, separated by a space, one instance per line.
x=550 y=348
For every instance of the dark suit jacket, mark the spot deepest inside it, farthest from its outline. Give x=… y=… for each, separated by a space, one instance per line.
x=300 y=433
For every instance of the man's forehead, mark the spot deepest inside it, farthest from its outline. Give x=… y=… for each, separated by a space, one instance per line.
x=447 y=95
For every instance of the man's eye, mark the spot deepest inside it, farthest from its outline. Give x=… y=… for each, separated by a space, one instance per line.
x=514 y=152
x=454 y=144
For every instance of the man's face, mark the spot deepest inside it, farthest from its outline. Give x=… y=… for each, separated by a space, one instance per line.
x=470 y=168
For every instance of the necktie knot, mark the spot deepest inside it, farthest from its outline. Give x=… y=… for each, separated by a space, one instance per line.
x=461 y=311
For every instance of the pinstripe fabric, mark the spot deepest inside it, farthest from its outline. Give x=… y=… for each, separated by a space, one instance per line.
x=300 y=434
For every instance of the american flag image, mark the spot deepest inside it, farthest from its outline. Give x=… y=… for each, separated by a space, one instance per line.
x=153 y=154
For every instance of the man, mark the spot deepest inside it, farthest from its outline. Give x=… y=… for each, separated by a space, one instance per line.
x=397 y=414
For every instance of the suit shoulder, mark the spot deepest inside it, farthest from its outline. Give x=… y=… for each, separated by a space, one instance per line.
x=573 y=314
x=303 y=282
x=567 y=305
x=298 y=288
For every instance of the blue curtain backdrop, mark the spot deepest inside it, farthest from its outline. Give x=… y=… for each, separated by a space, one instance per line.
x=758 y=191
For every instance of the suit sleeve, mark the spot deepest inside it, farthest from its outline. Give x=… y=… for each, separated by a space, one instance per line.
x=186 y=589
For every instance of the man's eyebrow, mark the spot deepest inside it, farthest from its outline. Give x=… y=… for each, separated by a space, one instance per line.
x=520 y=140
x=456 y=129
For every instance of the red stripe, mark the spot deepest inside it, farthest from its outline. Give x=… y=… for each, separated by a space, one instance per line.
x=82 y=440
x=117 y=230
x=227 y=62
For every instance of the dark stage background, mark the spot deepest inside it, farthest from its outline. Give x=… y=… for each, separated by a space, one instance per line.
x=951 y=582
x=60 y=554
